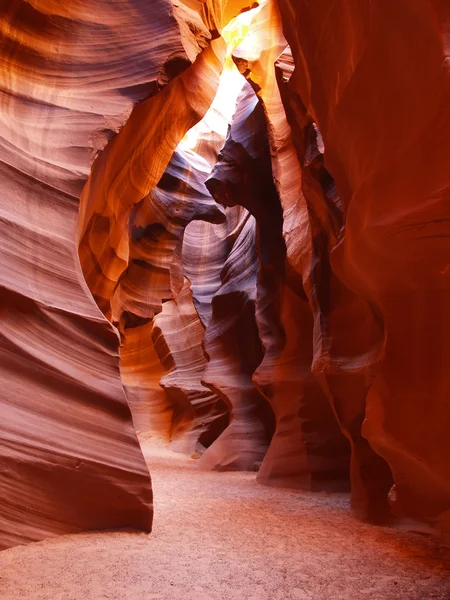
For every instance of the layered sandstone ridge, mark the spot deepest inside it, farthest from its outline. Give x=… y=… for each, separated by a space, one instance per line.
x=374 y=77
x=229 y=237
x=73 y=76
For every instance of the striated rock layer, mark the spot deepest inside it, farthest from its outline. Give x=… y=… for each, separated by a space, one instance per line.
x=343 y=363
x=269 y=297
x=309 y=199
x=69 y=456
x=143 y=191
x=154 y=277
x=307 y=450
x=374 y=77
x=72 y=78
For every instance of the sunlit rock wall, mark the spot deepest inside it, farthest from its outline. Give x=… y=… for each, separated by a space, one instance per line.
x=309 y=198
x=374 y=77
x=73 y=76
x=307 y=449
x=268 y=297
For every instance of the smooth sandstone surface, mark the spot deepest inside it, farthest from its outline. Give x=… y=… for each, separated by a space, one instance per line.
x=312 y=218
x=229 y=236
x=307 y=449
x=70 y=459
x=374 y=77
x=72 y=77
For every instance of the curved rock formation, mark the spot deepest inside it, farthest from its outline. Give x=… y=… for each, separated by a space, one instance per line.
x=311 y=196
x=234 y=351
x=132 y=165
x=307 y=449
x=200 y=416
x=132 y=229
x=152 y=279
x=141 y=371
x=295 y=325
x=374 y=78
x=70 y=459
x=343 y=363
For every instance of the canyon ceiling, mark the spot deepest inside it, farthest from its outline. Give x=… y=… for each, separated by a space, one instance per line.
x=230 y=234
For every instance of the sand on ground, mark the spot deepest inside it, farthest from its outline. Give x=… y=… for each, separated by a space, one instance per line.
x=221 y=536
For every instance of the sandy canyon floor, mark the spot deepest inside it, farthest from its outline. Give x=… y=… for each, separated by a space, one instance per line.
x=221 y=536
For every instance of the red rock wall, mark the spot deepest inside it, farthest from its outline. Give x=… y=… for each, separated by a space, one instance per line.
x=339 y=360
x=374 y=77
x=72 y=77
x=69 y=456
x=307 y=449
x=299 y=327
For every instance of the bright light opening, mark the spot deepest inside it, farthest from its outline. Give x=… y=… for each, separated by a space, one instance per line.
x=214 y=125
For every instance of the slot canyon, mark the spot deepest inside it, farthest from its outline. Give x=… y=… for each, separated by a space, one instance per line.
x=225 y=263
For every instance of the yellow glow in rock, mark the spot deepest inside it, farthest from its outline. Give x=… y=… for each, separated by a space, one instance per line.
x=231 y=82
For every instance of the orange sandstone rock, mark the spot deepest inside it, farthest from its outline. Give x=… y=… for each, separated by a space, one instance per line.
x=374 y=77
x=74 y=75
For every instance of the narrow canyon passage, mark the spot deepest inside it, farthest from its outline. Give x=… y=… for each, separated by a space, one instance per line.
x=224 y=291
x=222 y=536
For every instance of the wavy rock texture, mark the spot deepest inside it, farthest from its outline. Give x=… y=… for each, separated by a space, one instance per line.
x=153 y=277
x=311 y=196
x=135 y=207
x=200 y=416
x=307 y=449
x=141 y=371
x=360 y=84
x=205 y=250
x=343 y=363
x=135 y=160
x=304 y=305
x=221 y=264
x=70 y=459
x=234 y=351
x=132 y=165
